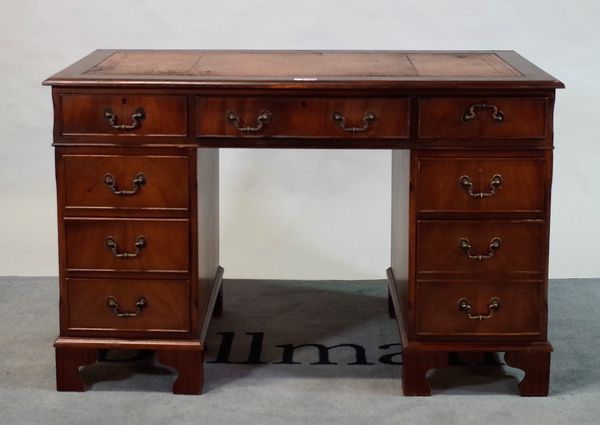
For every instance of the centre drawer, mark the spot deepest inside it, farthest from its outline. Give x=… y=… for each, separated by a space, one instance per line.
x=128 y=305
x=475 y=309
x=126 y=181
x=481 y=247
x=127 y=244
x=337 y=117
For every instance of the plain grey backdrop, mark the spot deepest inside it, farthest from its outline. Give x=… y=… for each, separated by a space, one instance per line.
x=296 y=214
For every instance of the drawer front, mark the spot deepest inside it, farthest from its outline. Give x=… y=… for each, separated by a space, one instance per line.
x=504 y=247
x=124 y=181
x=480 y=309
x=481 y=184
x=127 y=245
x=127 y=115
x=482 y=117
x=128 y=305
x=302 y=117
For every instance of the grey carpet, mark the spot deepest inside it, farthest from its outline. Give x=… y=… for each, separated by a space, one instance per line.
x=285 y=313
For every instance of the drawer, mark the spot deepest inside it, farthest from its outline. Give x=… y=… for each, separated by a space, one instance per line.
x=504 y=246
x=482 y=117
x=481 y=184
x=127 y=244
x=128 y=305
x=123 y=115
x=453 y=309
x=126 y=181
x=363 y=117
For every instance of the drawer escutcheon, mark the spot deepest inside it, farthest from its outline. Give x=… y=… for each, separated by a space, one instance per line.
x=497 y=114
x=466 y=184
x=263 y=117
x=140 y=305
x=113 y=119
x=111 y=244
x=465 y=245
x=138 y=181
x=465 y=306
x=341 y=120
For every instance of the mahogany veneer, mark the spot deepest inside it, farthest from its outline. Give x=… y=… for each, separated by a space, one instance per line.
x=167 y=305
x=165 y=181
x=137 y=136
x=522 y=178
x=523 y=118
x=304 y=116
x=163 y=115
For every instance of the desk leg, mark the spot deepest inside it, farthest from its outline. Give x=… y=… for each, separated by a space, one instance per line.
x=68 y=362
x=189 y=365
x=536 y=365
x=415 y=364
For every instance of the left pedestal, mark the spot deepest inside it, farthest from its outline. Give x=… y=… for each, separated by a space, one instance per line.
x=139 y=262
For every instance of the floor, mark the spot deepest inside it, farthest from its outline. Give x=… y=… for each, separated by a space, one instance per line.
x=257 y=373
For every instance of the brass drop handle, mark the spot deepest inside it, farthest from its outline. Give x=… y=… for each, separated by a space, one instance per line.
x=469 y=115
x=140 y=243
x=138 y=182
x=466 y=184
x=263 y=117
x=113 y=119
x=140 y=305
x=341 y=120
x=465 y=246
x=465 y=307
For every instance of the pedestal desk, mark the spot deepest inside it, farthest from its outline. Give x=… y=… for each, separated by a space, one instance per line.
x=137 y=137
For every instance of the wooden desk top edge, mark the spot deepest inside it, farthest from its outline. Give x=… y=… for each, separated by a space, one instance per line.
x=82 y=74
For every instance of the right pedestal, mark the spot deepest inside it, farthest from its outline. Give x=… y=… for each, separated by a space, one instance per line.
x=469 y=260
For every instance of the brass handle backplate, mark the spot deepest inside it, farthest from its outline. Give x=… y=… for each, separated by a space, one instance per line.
x=495 y=184
x=262 y=118
x=465 y=245
x=138 y=182
x=341 y=120
x=465 y=307
x=113 y=119
x=113 y=305
x=140 y=243
x=497 y=114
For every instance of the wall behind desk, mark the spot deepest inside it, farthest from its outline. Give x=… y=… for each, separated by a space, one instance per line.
x=296 y=214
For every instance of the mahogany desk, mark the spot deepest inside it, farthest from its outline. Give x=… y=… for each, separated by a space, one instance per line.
x=137 y=137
